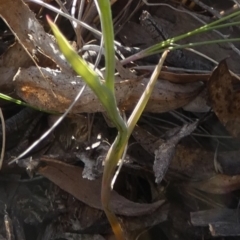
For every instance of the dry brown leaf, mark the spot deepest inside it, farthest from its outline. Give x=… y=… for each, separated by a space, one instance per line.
x=194 y=163
x=69 y=178
x=30 y=33
x=32 y=88
x=183 y=77
x=219 y=184
x=15 y=56
x=6 y=83
x=224 y=101
x=166 y=151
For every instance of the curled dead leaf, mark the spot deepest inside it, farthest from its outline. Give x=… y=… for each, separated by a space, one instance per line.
x=69 y=178
x=193 y=163
x=224 y=100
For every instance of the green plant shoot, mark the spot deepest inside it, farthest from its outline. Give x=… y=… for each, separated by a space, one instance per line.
x=106 y=94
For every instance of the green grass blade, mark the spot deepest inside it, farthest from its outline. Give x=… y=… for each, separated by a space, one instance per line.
x=84 y=70
x=108 y=39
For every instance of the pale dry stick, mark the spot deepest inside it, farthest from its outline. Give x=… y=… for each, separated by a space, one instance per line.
x=48 y=6
x=3 y=138
x=80 y=10
x=88 y=27
x=172 y=69
x=56 y=18
x=80 y=40
x=75 y=25
x=61 y=5
x=51 y=128
x=207 y=8
x=73 y=8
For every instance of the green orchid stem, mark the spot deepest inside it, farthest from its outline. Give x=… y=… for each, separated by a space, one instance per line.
x=117 y=148
x=105 y=93
x=116 y=151
x=111 y=161
x=108 y=37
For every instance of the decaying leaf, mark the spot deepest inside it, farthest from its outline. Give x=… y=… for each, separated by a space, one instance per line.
x=183 y=77
x=13 y=58
x=224 y=100
x=166 y=151
x=219 y=184
x=194 y=163
x=69 y=178
x=30 y=32
x=31 y=87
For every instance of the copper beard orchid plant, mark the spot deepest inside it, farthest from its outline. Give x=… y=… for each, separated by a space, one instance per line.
x=104 y=89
